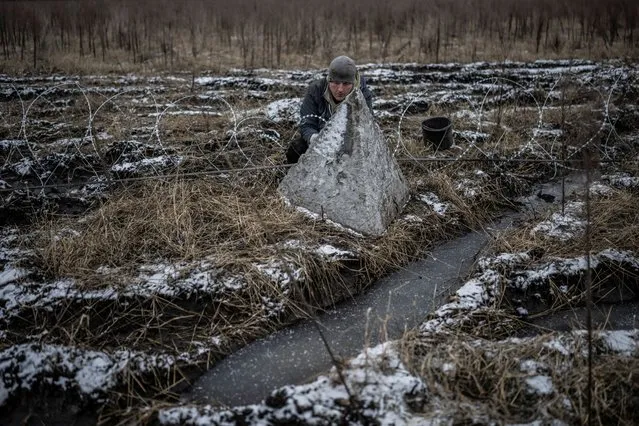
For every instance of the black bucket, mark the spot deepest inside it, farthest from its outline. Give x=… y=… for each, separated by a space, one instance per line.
x=438 y=131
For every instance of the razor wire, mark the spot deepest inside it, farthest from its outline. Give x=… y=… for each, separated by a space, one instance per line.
x=237 y=122
x=531 y=144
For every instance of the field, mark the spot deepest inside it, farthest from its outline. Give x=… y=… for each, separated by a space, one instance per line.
x=143 y=239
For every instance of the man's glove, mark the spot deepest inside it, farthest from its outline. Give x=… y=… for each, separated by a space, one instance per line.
x=313 y=138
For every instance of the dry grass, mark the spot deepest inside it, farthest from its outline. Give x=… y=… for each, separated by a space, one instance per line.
x=614 y=222
x=470 y=378
x=182 y=220
x=185 y=220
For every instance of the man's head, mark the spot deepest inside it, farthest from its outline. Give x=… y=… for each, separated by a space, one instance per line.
x=342 y=75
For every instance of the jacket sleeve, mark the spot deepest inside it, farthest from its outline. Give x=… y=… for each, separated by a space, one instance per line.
x=368 y=95
x=309 y=115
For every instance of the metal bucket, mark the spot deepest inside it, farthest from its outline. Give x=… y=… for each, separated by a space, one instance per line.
x=438 y=131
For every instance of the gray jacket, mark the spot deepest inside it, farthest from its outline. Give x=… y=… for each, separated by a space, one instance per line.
x=316 y=110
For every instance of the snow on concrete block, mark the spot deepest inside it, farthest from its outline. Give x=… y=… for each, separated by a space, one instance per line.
x=348 y=174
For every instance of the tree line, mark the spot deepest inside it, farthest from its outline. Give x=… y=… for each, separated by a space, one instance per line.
x=276 y=33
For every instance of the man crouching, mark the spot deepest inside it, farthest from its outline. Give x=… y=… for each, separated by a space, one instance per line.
x=321 y=100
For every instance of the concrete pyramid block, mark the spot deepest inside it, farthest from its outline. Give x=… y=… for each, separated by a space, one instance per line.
x=348 y=174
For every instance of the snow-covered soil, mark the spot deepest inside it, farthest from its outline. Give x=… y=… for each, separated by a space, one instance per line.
x=67 y=143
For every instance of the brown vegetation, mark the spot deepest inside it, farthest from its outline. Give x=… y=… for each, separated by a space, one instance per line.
x=472 y=378
x=198 y=34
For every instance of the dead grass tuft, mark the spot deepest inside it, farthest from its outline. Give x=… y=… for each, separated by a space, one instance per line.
x=179 y=219
x=507 y=379
x=614 y=222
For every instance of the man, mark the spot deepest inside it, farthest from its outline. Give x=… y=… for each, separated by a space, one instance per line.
x=321 y=100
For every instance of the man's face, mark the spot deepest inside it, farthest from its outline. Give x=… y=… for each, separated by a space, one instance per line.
x=340 y=89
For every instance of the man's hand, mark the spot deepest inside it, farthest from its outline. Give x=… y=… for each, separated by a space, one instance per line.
x=313 y=138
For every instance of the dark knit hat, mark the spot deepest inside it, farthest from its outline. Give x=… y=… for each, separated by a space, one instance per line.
x=342 y=69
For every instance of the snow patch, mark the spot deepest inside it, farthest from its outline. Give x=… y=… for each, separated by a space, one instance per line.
x=433 y=201
x=154 y=164
x=563 y=226
x=284 y=110
x=621 y=180
x=377 y=376
x=90 y=373
x=280 y=273
x=621 y=341
x=168 y=280
x=540 y=385
x=333 y=253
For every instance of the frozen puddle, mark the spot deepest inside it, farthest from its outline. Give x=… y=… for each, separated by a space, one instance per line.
x=297 y=354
